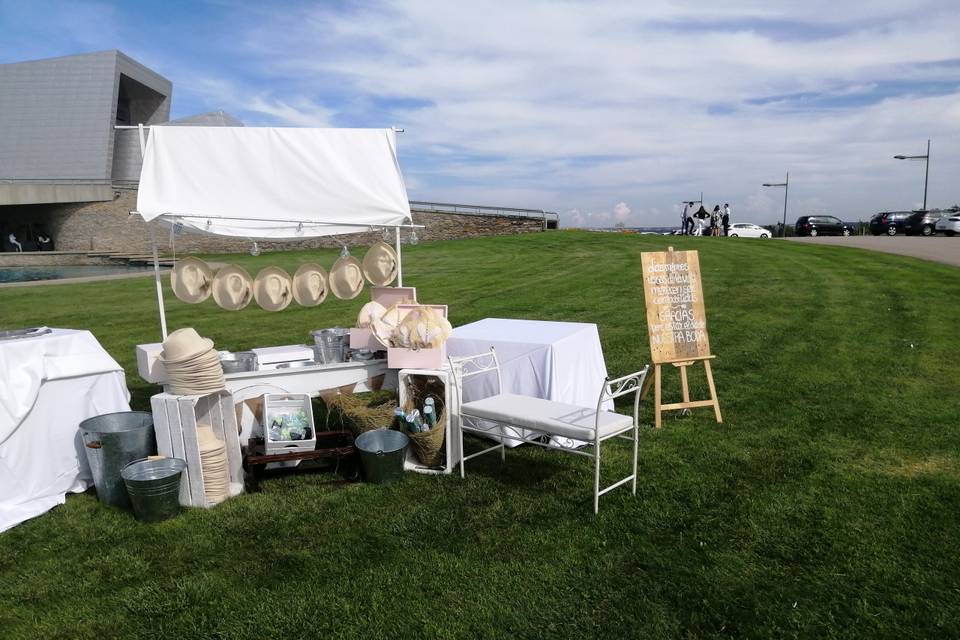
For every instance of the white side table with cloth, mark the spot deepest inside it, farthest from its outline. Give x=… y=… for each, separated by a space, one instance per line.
x=48 y=385
x=560 y=361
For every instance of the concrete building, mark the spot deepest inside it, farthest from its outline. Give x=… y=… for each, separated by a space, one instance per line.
x=57 y=137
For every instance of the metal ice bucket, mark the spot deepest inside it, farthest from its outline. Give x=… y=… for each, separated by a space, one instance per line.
x=331 y=345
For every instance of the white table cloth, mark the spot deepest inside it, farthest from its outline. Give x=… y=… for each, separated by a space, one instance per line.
x=48 y=385
x=560 y=361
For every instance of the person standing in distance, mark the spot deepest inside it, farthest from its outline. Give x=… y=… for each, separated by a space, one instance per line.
x=726 y=219
x=683 y=218
x=715 y=221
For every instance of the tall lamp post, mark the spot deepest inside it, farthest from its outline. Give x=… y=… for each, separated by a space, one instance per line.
x=786 y=190
x=926 y=177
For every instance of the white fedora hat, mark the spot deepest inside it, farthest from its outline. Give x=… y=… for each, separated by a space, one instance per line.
x=380 y=264
x=184 y=344
x=232 y=288
x=191 y=279
x=310 y=285
x=346 y=278
x=272 y=289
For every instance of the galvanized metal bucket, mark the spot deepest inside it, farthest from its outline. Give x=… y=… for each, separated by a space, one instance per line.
x=112 y=441
x=330 y=345
x=382 y=452
x=154 y=487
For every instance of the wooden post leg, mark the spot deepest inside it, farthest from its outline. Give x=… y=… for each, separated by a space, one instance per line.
x=683 y=382
x=656 y=396
x=713 y=391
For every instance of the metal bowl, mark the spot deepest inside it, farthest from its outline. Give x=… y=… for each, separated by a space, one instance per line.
x=238 y=362
x=300 y=364
x=362 y=354
x=16 y=334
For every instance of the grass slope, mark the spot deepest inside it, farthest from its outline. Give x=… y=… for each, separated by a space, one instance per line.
x=825 y=506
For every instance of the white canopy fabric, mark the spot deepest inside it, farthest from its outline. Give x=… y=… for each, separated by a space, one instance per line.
x=264 y=182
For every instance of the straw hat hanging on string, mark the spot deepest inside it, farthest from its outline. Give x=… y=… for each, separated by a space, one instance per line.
x=232 y=288
x=310 y=285
x=191 y=279
x=380 y=264
x=273 y=289
x=346 y=276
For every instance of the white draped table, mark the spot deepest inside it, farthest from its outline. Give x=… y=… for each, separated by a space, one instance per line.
x=48 y=385
x=560 y=361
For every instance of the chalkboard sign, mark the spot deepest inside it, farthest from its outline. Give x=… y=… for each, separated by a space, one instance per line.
x=676 y=320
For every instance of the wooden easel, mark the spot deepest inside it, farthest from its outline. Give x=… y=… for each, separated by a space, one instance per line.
x=659 y=407
x=676 y=324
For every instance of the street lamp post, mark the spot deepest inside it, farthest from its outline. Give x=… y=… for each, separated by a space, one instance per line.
x=926 y=177
x=786 y=190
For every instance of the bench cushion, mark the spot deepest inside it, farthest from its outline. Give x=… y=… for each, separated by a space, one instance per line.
x=555 y=418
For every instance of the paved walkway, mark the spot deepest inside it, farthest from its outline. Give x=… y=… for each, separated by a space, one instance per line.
x=937 y=248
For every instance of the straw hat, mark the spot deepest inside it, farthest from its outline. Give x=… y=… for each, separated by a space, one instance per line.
x=380 y=264
x=190 y=279
x=184 y=344
x=213 y=462
x=232 y=288
x=346 y=278
x=273 y=289
x=310 y=285
x=370 y=312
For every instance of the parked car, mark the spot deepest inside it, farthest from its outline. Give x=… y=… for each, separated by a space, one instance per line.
x=748 y=230
x=889 y=222
x=923 y=222
x=949 y=223
x=814 y=226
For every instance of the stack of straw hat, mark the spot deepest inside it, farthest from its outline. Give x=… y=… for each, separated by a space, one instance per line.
x=213 y=461
x=193 y=367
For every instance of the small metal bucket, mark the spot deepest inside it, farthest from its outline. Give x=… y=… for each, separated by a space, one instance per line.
x=382 y=452
x=154 y=487
x=331 y=345
x=111 y=441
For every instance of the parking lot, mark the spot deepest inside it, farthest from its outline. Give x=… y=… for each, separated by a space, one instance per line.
x=936 y=248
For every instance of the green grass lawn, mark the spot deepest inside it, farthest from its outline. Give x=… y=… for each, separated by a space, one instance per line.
x=826 y=505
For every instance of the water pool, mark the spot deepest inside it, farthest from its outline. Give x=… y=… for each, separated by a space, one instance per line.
x=32 y=274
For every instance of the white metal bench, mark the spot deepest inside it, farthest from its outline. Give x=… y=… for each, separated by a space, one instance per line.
x=547 y=416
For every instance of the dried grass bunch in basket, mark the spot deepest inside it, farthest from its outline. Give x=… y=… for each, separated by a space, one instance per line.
x=358 y=414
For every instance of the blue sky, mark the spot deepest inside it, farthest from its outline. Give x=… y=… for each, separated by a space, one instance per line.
x=602 y=111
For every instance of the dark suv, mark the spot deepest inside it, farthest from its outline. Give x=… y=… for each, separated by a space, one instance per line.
x=923 y=222
x=814 y=226
x=889 y=222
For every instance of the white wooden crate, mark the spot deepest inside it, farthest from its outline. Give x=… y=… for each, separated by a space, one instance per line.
x=175 y=421
x=452 y=453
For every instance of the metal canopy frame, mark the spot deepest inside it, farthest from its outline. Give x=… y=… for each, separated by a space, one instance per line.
x=165 y=218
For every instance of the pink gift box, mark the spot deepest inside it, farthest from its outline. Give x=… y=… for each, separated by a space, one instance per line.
x=416 y=358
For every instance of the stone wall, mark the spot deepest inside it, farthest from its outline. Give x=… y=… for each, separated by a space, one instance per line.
x=51 y=258
x=107 y=226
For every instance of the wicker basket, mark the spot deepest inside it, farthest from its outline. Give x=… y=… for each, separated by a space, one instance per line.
x=428 y=445
x=358 y=415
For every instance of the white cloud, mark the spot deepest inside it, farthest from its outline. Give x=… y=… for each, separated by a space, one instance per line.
x=302 y=112
x=519 y=97
x=621 y=211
